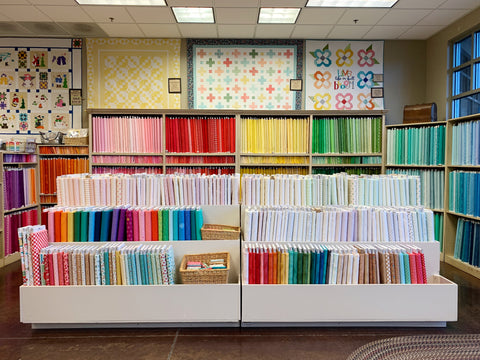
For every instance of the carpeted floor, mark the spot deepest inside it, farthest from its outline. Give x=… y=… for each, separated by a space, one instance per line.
x=424 y=347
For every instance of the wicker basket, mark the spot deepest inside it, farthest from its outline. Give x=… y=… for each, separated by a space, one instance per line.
x=75 y=140
x=205 y=276
x=220 y=232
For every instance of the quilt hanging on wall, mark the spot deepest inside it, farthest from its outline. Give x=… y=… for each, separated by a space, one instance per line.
x=250 y=75
x=35 y=83
x=132 y=73
x=340 y=75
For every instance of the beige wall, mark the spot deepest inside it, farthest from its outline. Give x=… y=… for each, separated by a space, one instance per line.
x=404 y=76
x=437 y=50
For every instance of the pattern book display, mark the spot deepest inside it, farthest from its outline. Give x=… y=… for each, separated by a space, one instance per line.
x=338 y=189
x=338 y=224
x=416 y=146
x=275 y=135
x=347 y=135
x=466 y=143
x=463 y=192
x=147 y=190
x=19 y=188
x=124 y=224
x=467 y=242
x=127 y=134
x=200 y=134
x=333 y=264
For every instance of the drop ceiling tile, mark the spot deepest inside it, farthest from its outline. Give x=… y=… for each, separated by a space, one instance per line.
x=44 y=28
x=235 y=31
x=348 y=32
x=122 y=30
x=23 y=13
x=14 y=2
x=53 y=2
x=198 y=30
x=4 y=18
x=403 y=17
x=311 y=31
x=273 y=31
x=283 y=3
x=418 y=32
x=102 y=14
x=160 y=30
x=87 y=29
x=151 y=14
x=230 y=3
x=200 y=3
x=418 y=4
x=318 y=16
x=460 y=4
x=364 y=16
x=65 y=13
x=442 y=17
x=385 y=32
x=236 y=15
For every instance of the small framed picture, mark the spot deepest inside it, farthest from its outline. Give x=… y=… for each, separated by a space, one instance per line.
x=296 y=84
x=377 y=78
x=174 y=85
x=376 y=92
x=75 y=96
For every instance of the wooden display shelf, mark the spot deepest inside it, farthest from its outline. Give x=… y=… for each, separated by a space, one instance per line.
x=19 y=163
x=274 y=164
x=464 y=119
x=346 y=165
x=199 y=154
x=416 y=166
x=127 y=165
x=200 y=164
x=20 y=209
x=10 y=259
x=346 y=154
x=125 y=154
x=466 y=267
x=418 y=124
x=63 y=155
x=467 y=167
x=276 y=154
x=471 y=217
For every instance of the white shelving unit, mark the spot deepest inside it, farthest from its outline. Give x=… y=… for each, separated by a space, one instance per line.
x=143 y=306
x=432 y=304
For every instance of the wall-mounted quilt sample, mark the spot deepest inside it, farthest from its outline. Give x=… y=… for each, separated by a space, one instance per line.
x=244 y=74
x=132 y=73
x=340 y=75
x=35 y=78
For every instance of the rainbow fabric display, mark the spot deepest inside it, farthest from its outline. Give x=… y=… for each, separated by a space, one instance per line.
x=19 y=188
x=338 y=189
x=339 y=224
x=147 y=190
x=31 y=240
x=416 y=146
x=107 y=264
x=124 y=223
x=333 y=264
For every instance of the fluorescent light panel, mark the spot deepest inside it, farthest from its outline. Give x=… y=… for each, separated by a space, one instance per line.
x=278 y=15
x=194 y=14
x=123 y=2
x=352 y=3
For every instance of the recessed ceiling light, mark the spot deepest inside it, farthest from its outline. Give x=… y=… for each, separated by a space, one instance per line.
x=194 y=14
x=123 y=2
x=278 y=15
x=352 y=3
